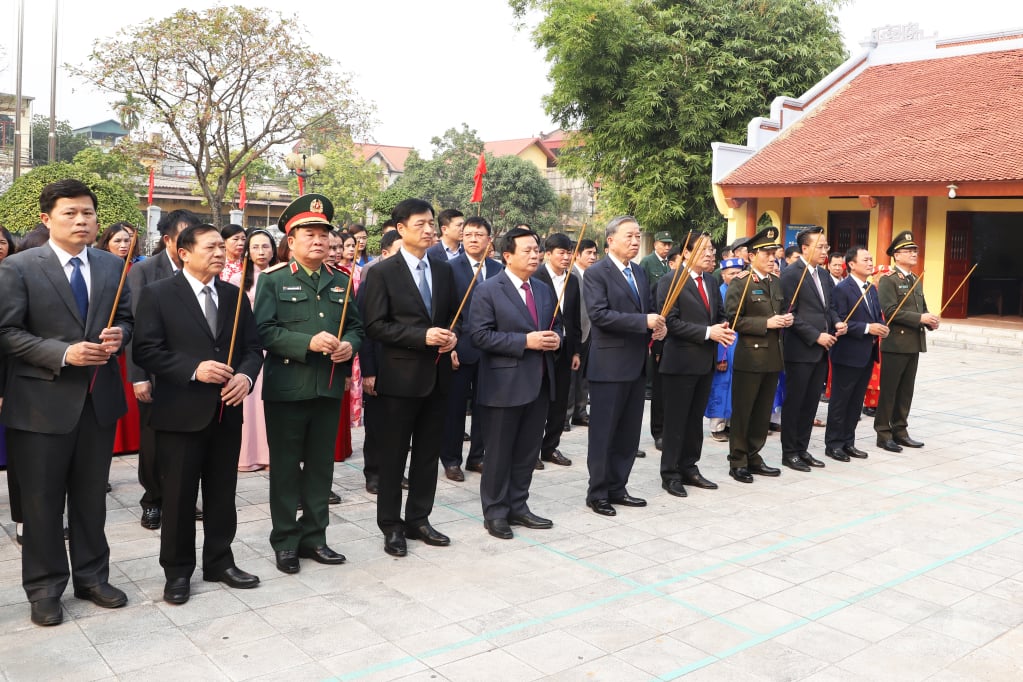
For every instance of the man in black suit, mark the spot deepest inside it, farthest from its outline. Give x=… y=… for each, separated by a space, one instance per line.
x=465 y=358
x=511 y=323
x=620 y=305
x=63 y=398
x=696 y=325
x=555 y=274
x=815 y=328
x=449 y=246
x=409 y=303
x=183 y=338
x=853 y=355
x=162 y=264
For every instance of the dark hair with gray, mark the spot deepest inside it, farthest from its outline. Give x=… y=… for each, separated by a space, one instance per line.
x=852 y=253
x=410 y=207
x=64 y=189
x=615 y=223
x=189 y=236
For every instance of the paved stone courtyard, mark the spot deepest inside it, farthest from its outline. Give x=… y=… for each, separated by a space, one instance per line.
x=899 y=567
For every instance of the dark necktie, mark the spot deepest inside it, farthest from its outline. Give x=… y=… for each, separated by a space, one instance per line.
x=703 y=292
x=210 y=310
x=78 y=288
x=531 y=303
x=632 y=283
x=866 y=298
x=424 y=287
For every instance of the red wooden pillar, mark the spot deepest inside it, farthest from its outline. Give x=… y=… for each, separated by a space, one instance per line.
x=885 y=218
x=786 y=215
x=752 y=215
x=920 y=229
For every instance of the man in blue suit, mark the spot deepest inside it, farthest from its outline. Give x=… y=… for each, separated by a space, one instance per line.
x=620 y=304
x=465 y=358
x=509 y=325
x=854 y=355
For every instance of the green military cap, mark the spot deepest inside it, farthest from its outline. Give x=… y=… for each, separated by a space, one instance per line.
x=903 y=240
x=663 y=237
x=767 y=238
x=307 y=211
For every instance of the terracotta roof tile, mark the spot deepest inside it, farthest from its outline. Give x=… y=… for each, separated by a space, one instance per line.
x=395 y=156
x=951 y=119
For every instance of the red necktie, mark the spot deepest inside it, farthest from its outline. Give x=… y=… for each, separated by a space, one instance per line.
x=703 y=292
x=531 y=303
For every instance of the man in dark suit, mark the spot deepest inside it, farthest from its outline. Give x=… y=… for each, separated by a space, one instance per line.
x=476 y=241
x=183 y=337
x=555 y=274
x=63 y=398
x=160 y=265
x=449 y=246
x=853 y=355
x=902 y=347
x=511 y=325
x=579 y=387
x=409 y=301
x=620 y=304
x=696 y=325
x=815 y=328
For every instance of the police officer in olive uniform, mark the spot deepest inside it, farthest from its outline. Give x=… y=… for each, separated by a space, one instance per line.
x=656 y=265
x=298 y=310
x=900 y=351
x=757 y=298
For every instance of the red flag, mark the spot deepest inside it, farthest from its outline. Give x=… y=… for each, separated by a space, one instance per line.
x=301 y=186
x=152 y=183
x=241 y=194
x=481 y=170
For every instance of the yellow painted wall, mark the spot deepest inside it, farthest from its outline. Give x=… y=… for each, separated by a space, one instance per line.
x=536 y=157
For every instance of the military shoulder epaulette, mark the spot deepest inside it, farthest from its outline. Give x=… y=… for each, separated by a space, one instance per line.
x=330 y=270
x=274 y=268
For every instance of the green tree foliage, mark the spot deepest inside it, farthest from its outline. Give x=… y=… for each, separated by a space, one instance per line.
x=114 y=164
x=19 y=206
x=348 y=180
x=68 y=144
x=222 y=87
x=649 y=84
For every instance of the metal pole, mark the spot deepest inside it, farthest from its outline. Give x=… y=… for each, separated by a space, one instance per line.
x=52 y=148
x=17 y=91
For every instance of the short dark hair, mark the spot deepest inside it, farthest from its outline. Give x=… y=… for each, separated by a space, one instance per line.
x=170 y=222
x=447 y=215
x=833 y=256
x=189 y=236
x=68 y=188
x=12 y=246
x=110 y=232
x=231 y=230
x=587 y=244
x=410 y=207
x=803 y=238
x=389 y=224
x=791 y=251
x=508 y=241
x=557 y=240
x=851 y=254
x=478 y=221
x=387 y=239
x=355 y=228
x=250 y=278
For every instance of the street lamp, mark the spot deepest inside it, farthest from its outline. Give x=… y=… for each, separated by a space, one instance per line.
x=304 y=167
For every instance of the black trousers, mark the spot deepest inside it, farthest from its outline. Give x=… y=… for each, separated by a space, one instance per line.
x=848 y=388
x=803 y=383
x=685 y=400
x=463 y=387
x=149 y=470
x=752 y=400
x=898 y=379
x=188 y=460
x=556 y=408
x=14 y=489
x=419 y=421
x=371 y=428
x=51 y=468
x=578 y=394
x=656 y=397
x=616 y=419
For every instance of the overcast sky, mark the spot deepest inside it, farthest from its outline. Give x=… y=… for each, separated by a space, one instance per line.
x=480 y=70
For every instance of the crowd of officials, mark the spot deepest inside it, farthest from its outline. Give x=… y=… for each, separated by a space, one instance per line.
x=239 y=354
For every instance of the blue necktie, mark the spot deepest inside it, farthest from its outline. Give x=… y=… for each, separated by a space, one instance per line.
x=424 y=287
x=632 y=283
x=78 y=288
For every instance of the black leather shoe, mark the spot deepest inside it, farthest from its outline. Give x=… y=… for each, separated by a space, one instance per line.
x=530 y=520
x=454 y=473
x=674 y=487
x=333 y=498
x=908 y=442
x=567 y=427
x=836 y=454
x=394 y=543
x=741 y=474
x=499 y=528
x=557 y=458
x=719 y=436
x=47 y=611
x=474 y=466
x=698 y=481
x=811 y=460
x=640 y=453
x=104 y=594
x=791 y=462
x=889 y=445
x=321 y=555
x=538 y=465
x=287 y=561
x=659 y=443
x=176 y=591
x=580 y=421
x=627 y=500
x=110 y=488
x=427 y=534
x=869 y=411
x=763 y=470
x=854 y=451
x=774 y=427
x=151 y=517
x=372 y=485
x=198 y=514
x=602 y=507
x=232 y=577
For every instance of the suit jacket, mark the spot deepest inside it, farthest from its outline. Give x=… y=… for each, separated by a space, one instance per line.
x=463 y=275
x=437 y=251
x=811 y=316
x=172 y=338
x=686 y=348
x=907 y=334
x=147 y=271
x=855 y=348
x=510 y=374
x=758 y=348
x=38 y=321
x=397 y=318
x=654 y=268
x=619 y=338
x=571 y=318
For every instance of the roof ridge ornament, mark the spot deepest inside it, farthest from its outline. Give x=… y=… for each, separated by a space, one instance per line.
x=894 y=33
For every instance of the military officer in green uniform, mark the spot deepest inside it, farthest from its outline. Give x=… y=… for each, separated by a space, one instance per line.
x=656 y=263
x=900 y=351
x=757 y=298
x=298 y=312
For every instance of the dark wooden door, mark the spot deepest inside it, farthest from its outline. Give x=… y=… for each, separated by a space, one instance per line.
x=847 y=229
x=958 y=254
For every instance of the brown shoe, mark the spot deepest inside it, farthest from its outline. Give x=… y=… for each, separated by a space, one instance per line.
x=454 y=473
x=557 y=458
